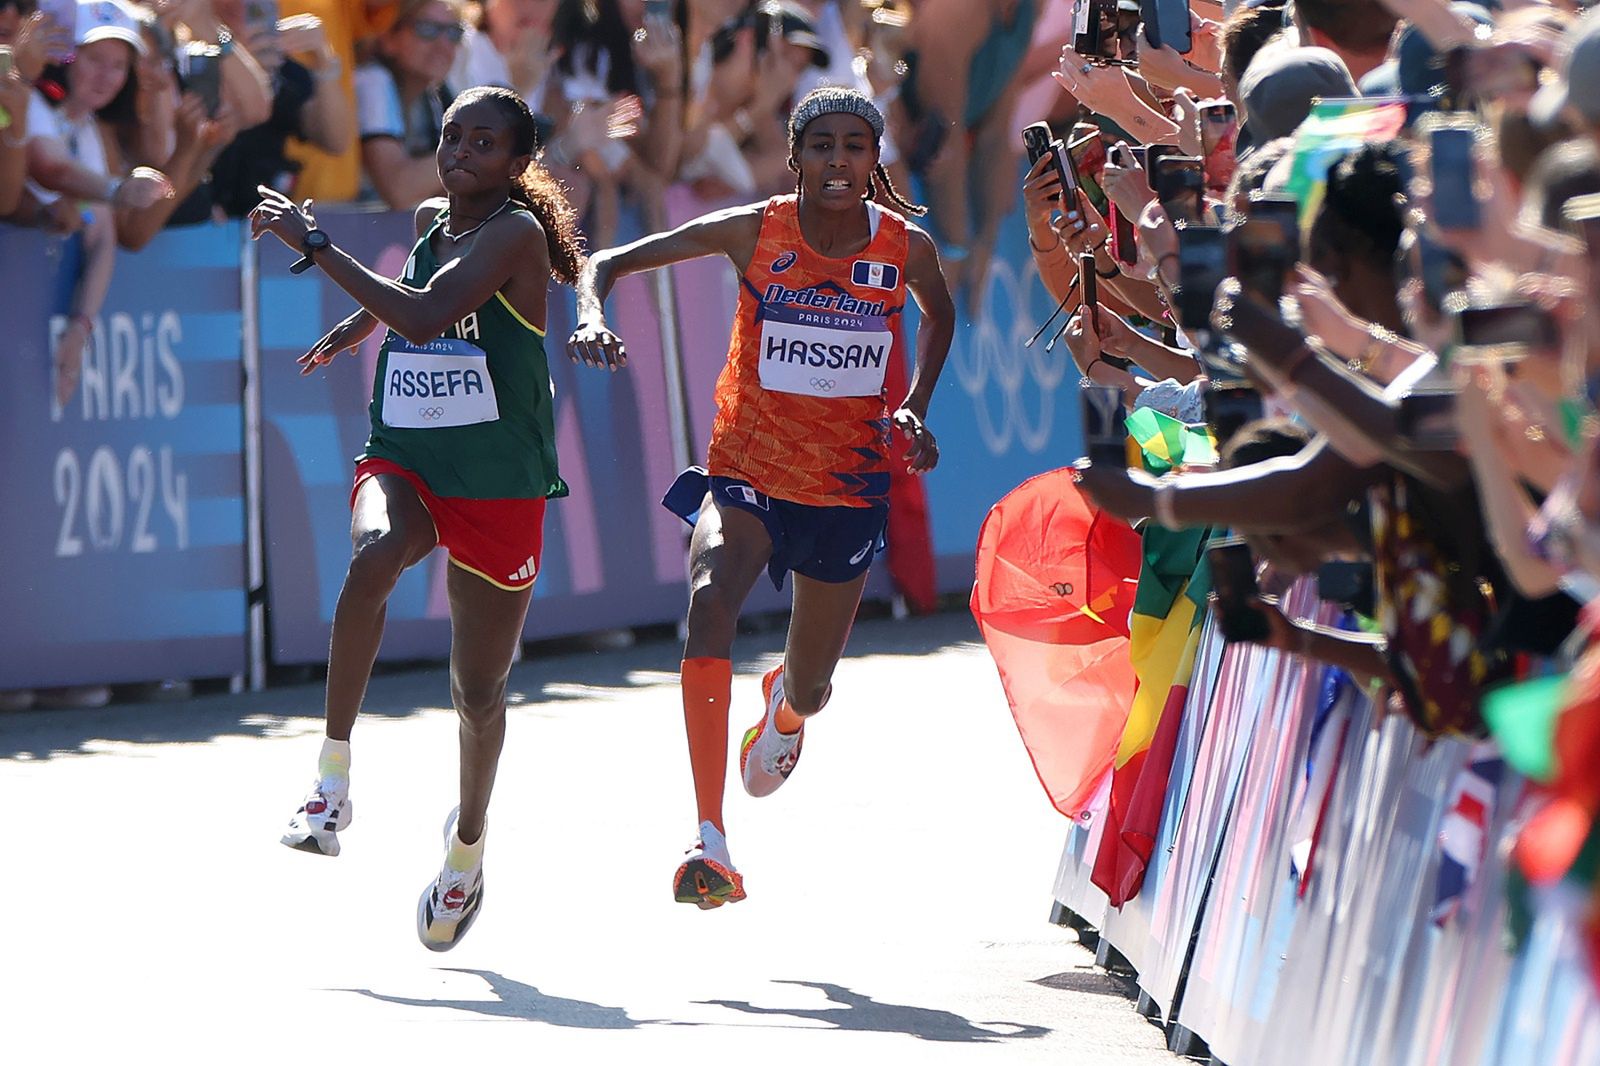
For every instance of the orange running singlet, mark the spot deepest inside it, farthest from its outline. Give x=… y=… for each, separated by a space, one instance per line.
x=801 y=405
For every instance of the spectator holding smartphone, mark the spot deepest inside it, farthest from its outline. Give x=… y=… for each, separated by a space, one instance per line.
x=401 y=98
x=306 y=103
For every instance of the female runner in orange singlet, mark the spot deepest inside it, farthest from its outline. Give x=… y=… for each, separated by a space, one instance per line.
x=797 y=473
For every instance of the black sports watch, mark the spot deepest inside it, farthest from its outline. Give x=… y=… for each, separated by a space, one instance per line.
x=313 y=242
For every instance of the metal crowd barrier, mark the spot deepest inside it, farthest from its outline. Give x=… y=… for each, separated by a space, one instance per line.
x=1239 y=951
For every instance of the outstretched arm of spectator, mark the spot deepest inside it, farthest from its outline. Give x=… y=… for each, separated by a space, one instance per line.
x=14 y=93
x=1105 y=90
x=401 y=179
x=328 y=119
x=199 y=141
x=1507 y=510
x=245 y=86
x=1287 y=495
x=1362 y=654
x=1361 y=420
x=1149 y=353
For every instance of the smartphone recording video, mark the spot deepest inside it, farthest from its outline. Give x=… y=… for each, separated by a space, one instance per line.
x=1450 y=142
x=1264 y=246
x=1505 y=332
x=200 y=70
x=1179 y=183
x=1229 y=406
x=1040 y=141
x=1166 y=22
x=1427 y=419
x=1233 y=580
x=1094 y=25
x=1202 y=266
x=1105 y=426
x=1089 y=287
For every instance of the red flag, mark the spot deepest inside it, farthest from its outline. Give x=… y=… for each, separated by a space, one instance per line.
x=1055 y=585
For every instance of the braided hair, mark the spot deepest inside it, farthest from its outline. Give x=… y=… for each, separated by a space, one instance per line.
x=534 y=188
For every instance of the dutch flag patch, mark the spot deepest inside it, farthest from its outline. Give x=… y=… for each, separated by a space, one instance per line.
x=875 y=275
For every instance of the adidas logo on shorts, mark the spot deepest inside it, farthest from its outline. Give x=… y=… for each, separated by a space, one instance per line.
x=528 y=571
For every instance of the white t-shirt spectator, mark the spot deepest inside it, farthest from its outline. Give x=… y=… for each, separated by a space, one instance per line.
x=82 y=139
x=841 y=71
x=479 y=62
x=380 y=113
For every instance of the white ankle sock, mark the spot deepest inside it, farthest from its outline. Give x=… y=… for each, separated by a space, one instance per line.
x=334 y=762
x=464 y=857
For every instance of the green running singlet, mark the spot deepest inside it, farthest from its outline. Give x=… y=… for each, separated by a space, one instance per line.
x=473 y=412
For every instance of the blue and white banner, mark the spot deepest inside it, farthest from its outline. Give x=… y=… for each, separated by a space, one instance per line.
x=122 y=542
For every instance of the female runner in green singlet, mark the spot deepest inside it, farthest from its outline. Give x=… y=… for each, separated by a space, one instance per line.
x=461 y=454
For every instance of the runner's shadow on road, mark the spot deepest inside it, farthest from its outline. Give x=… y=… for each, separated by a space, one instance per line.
x=513 y=999
x=862 y=1014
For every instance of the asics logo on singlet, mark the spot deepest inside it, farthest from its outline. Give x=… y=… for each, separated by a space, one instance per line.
x=432 y=414
x=824 y=384
x=431 y=384
x=784 y=262
x=827 y=301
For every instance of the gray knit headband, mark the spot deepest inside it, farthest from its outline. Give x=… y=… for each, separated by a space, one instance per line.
x=833 y=100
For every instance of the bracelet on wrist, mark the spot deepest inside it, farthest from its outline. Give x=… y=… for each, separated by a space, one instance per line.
x=1045 y=251
x=1115 y=272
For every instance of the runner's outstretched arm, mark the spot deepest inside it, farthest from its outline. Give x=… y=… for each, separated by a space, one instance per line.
x=731 y=232
x=926 y=281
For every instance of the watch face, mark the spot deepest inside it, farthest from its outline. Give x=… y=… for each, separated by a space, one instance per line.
x=316 y=239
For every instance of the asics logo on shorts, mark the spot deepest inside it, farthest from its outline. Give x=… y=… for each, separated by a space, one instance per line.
x=862 y=554
x=432 y=414
x=824 y=384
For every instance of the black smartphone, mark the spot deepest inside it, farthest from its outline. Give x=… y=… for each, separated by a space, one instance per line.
x=1455 y=203
x=1440 y=270
x=1038 y=139
x=1124 y=238
x=1349 y=584
x=1202 y=266
x=1105 y=425
x=1094 y=29
x=1519 y=324
x=1427 y=419
x=1233 y=579
x=1264 y=246
x=1230 y=406
x=200 y=68
x=1089 y=287
x=1166 y=22
x=1152 y=154
x=1179 y=183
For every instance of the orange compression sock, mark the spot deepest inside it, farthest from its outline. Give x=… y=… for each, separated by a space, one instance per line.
x=707 y=690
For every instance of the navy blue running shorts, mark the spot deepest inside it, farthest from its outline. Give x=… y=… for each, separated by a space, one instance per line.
x=833 y=544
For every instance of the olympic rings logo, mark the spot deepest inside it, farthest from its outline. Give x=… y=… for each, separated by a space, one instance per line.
x=1013 y=389
x=432 y=414
x=824 y=384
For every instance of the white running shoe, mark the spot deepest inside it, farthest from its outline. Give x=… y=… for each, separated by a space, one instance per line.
x=707 y=878
x=766 y=756
x=315 y=826
x=450 y=904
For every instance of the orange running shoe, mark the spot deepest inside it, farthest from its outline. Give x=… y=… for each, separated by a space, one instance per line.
x=707 y=878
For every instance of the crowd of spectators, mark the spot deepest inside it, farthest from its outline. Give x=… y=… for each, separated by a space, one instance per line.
x=1358 y=239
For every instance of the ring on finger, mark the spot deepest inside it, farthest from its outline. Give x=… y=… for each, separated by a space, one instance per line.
x=1085 y=68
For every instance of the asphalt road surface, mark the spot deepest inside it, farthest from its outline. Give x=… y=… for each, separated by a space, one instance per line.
x=899 y=883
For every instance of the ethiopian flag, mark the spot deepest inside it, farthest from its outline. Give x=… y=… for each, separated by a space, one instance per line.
x=1163 y=636
x=1053 y=591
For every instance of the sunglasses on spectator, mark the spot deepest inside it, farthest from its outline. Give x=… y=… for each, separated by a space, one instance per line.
x=433 y=31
